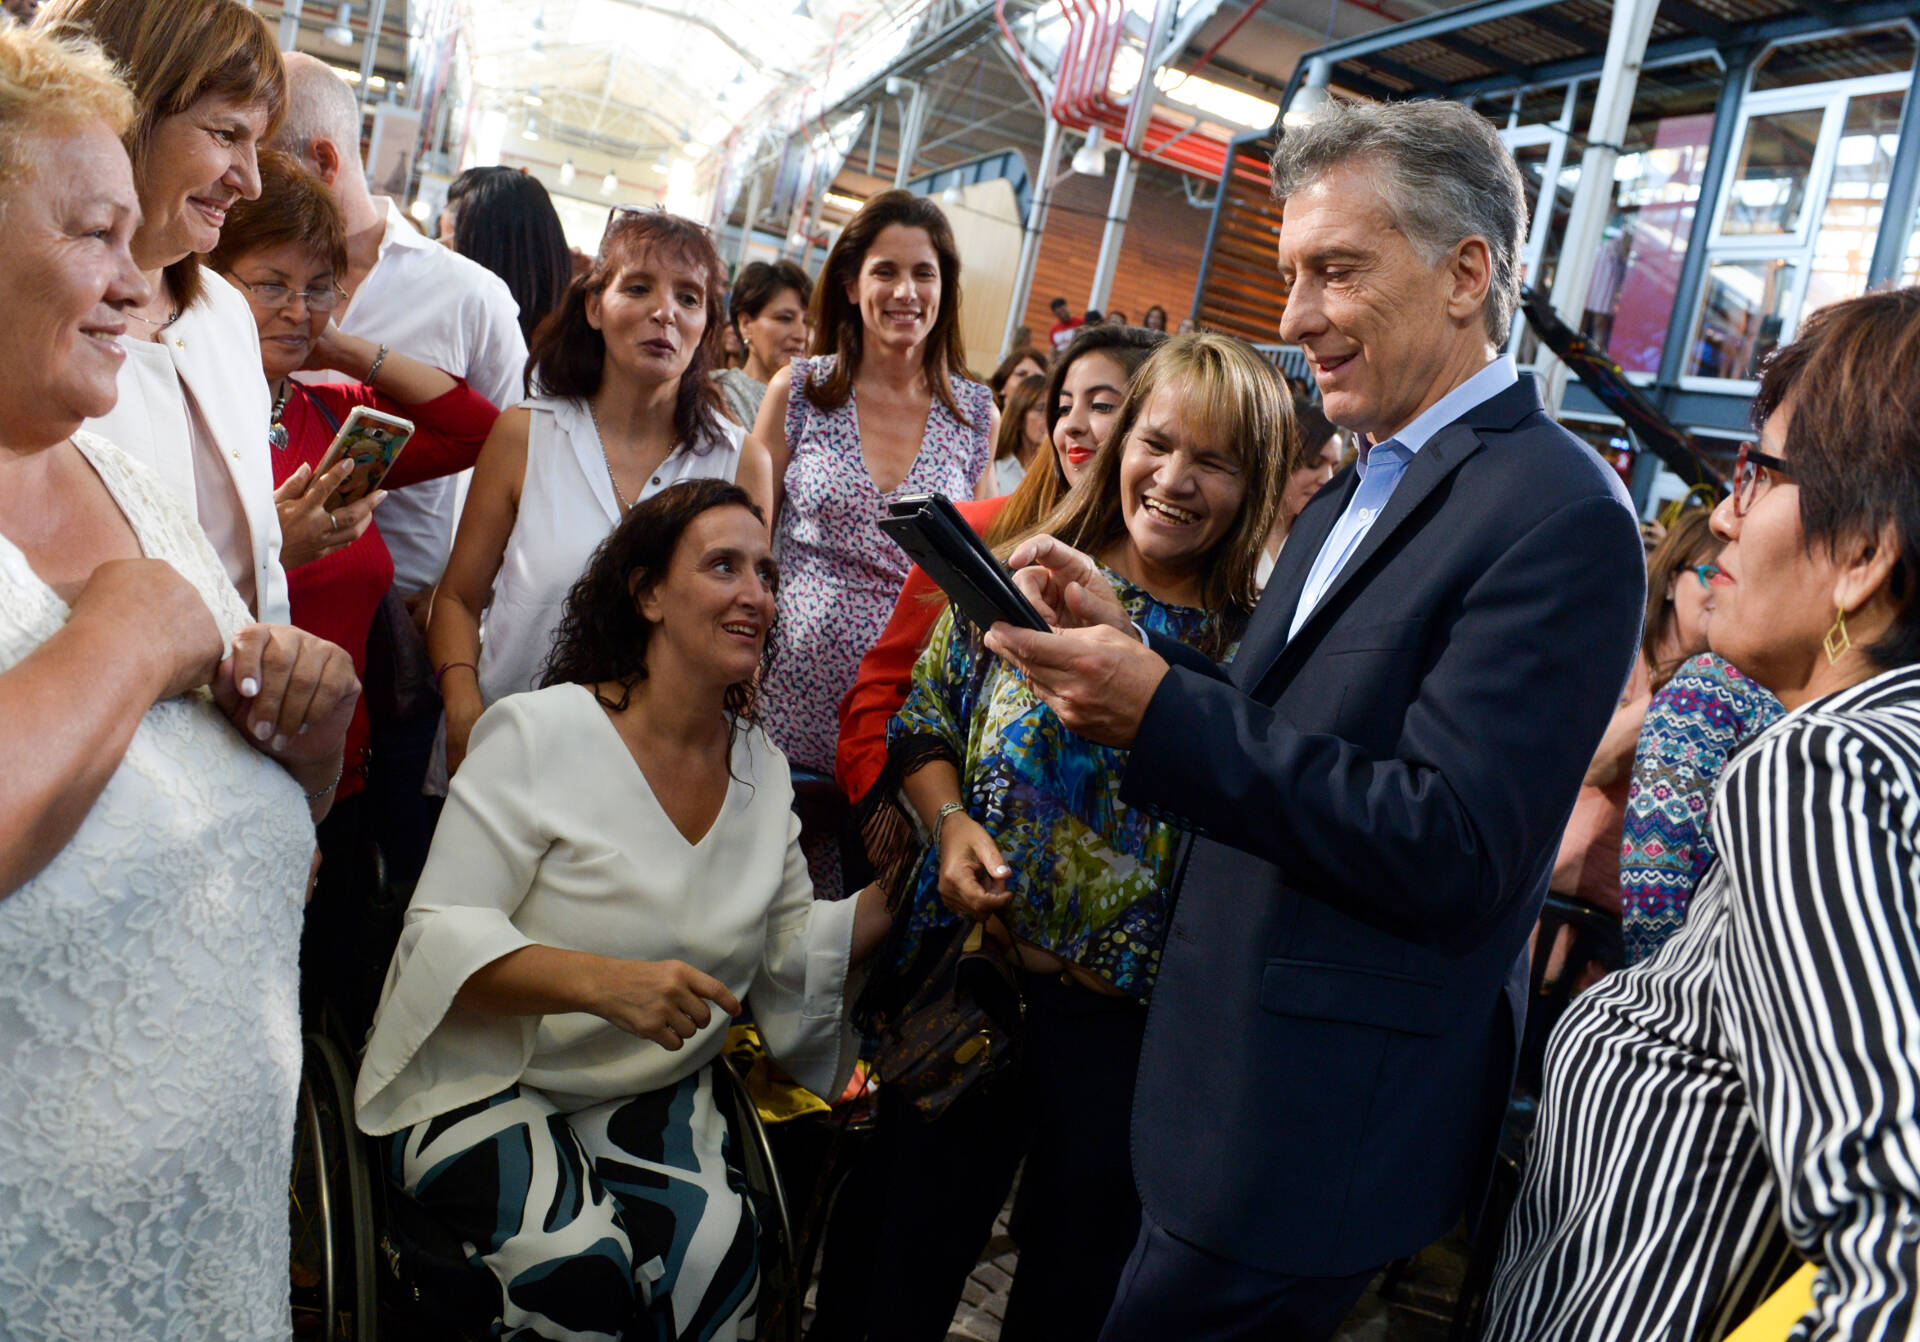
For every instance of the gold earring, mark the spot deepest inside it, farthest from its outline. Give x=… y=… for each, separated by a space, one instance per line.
x=1837 y=643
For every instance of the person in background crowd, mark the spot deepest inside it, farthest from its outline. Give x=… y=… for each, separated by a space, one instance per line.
x=445 y=310
x=767 y=314
x=457 y=189
x=207 y=78
x=884 y=408
x=1588 y=866
x=1029 y=835
x=508 y=224
x=1700 y=710
x=1095 y=317
x=1064 y=324
x=1082 y=400
x=284 y=252
x=1117 y=318
x=625 y=407
x=1188 y=324
x=1321 y=451
x=1021 y=361
x=1023 y=433
x=163 y=761
x=1738 y=1102
x=617 y=858
x=1155 y=318
x=1375 y=808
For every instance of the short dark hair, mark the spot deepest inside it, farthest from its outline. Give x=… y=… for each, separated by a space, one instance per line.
x=506 y=221
x=1853 y=378
x=294 y=206
x=568 y=357
x=602 y=638
x=760 y=282
x=1059 y=303
x=838 y=328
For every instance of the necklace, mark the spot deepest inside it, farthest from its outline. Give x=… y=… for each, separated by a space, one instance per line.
x=276 y=431
x=158 y=327
x=618 y=497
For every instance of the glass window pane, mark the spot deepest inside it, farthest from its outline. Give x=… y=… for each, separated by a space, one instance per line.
x=1656 y=191
x=1851 y=220
x=1741 y=318
x=1769 y=188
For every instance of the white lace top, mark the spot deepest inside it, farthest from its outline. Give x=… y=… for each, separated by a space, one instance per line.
x=149 y=1022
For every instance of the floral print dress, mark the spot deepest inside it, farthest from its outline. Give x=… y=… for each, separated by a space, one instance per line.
x=1091 y=876
x=839 y=573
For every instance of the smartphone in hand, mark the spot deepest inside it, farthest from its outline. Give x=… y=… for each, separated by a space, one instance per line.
x=373 y=439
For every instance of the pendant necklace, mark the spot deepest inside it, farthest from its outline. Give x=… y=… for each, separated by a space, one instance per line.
x=276 y=431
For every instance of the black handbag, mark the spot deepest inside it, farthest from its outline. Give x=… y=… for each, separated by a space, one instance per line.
x=961 y=1030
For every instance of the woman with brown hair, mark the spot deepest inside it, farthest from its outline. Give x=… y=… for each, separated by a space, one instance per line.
x=1030 y=837
x=884 y=408
x=622 y=406
x=1023 y=432
x=1742 y=1101
x=210 y=88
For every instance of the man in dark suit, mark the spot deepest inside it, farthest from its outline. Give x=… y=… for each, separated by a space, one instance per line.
x=1377 y=783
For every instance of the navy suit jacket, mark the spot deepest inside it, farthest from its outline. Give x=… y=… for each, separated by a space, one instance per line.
x=1375 y=808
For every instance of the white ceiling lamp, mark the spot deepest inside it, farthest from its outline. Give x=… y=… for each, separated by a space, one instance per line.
x=1090 y=159
x=609 y=184
x=953 y=195
x=1311 y=96
x=531 y=129
x=567 y=173
x=533 y=99
x=339 y=32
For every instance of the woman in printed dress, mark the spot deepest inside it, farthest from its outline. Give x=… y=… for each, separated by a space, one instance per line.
x=884 y=408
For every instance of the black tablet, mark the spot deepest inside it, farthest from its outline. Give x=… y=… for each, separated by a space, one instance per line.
x=930 y=529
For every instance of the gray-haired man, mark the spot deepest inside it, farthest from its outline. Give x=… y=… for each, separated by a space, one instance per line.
x=1378 y=782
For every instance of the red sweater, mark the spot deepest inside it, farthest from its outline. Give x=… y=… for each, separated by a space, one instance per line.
x=886 y=672
x=336 y=597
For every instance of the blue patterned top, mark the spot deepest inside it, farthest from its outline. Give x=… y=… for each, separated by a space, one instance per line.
x=1091 y=876
x=1692 y=727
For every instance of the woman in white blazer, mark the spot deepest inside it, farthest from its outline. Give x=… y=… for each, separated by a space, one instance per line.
x=617 y=857
x=209 y=86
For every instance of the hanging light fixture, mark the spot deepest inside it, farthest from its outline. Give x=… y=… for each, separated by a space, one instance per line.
x=1311 y=96
x=1090 y=159
x=340 y=31
x=567 y=173
x=609 y=184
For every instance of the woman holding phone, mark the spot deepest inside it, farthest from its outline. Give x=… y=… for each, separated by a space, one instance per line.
x=284 y=253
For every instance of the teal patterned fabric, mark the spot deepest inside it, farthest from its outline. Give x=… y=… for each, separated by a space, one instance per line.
x=1693 y=725
x=1090 y=874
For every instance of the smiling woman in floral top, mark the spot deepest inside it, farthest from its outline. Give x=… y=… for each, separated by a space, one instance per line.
x=1031 y=833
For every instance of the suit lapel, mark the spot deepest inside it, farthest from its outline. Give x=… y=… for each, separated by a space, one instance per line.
x=1267 y=630
x=1433 y=463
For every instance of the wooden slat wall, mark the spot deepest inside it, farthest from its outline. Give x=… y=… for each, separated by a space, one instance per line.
x=1159 y=253
x=1244 y=295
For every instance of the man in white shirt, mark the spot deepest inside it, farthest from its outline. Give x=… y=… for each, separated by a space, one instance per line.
x=409 y=293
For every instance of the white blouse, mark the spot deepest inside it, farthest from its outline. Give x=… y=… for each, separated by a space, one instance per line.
x=551 y=836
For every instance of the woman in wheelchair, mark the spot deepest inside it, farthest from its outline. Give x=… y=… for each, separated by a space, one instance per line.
x=617 y=858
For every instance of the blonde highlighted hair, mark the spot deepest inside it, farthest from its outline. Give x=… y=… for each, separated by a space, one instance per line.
x=49 y=82
x=1230 y=396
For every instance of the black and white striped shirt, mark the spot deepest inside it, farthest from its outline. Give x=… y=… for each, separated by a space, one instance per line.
x=1754 y=1089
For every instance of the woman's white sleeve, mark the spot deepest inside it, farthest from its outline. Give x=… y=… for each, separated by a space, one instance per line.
x=799 y=994
x=427 y=1055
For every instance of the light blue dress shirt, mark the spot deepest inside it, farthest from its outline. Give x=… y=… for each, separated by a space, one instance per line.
x=1380 y=468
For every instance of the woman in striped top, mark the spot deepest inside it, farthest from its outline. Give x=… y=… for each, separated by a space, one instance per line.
x=1747 y=1096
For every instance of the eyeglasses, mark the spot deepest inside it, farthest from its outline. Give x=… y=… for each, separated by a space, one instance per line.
x=277 y=296
x=1706 y=573
x=1753 y=471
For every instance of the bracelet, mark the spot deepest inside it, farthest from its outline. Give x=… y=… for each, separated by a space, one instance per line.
x=947 y=809
x=451 y=666
x=374 y=371
x=338 y=774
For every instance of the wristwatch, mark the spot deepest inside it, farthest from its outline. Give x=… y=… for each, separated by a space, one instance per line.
x=947 y=809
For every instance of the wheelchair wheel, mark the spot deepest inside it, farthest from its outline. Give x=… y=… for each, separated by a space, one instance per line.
x=781 y=1289
x=331 y=1206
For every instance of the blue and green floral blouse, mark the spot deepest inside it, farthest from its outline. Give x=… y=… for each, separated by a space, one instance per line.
x=1091 y=875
